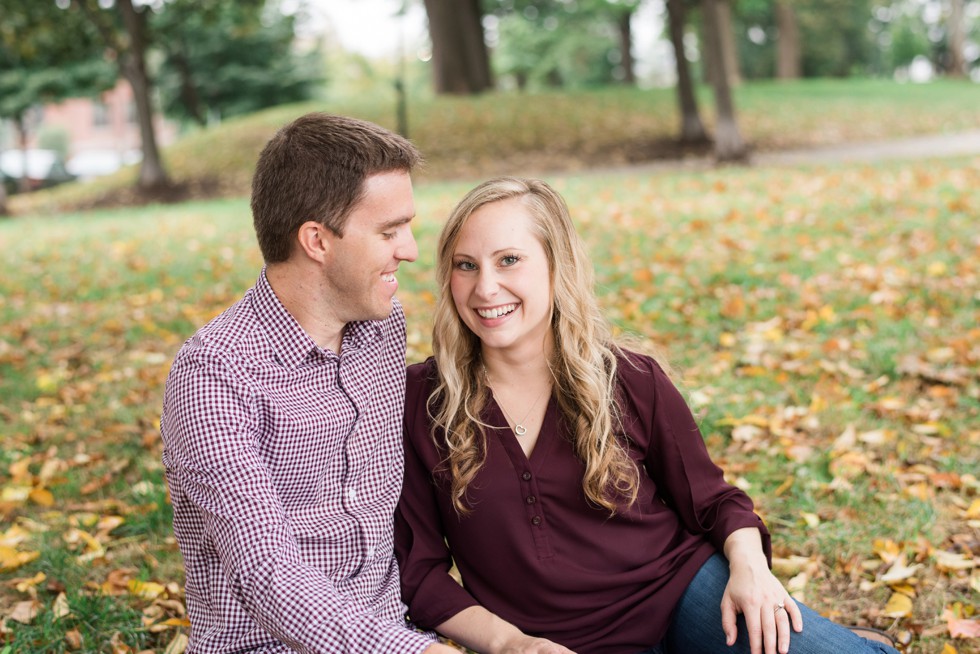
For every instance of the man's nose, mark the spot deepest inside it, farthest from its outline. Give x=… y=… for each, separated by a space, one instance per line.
x=409 y=249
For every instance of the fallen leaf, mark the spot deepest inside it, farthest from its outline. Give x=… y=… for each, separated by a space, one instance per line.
x=11 y=558
x=948 y=561
x=24 y=612
x=962 y=627
x=899 y=571
x=42 y=496
x=146 y=589
x=26 y=584
x=177 y=645
x=898 y=606
x=74 y=639
x=60 y=608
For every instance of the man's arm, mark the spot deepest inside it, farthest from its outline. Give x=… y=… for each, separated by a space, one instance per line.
x=221 y=483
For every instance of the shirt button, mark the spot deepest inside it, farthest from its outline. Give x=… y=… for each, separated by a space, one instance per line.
x=536 y=520
x=351 y=494
x=370 y=553
x=526 y=476
x=531 y=499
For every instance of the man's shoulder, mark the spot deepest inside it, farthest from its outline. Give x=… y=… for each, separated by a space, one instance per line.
x=225 y=335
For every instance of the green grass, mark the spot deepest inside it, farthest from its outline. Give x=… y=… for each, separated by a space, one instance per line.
x=786 y=299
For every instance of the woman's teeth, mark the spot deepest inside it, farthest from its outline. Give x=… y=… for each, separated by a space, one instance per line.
x=497 y=311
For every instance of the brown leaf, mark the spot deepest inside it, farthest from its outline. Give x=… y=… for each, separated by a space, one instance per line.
x=74 y=639
x=24 y=612
x=961 y=627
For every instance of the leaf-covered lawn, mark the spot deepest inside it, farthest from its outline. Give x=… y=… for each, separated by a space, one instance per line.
x=822 y=322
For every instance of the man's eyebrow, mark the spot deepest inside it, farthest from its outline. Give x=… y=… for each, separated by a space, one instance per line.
x=397 y=222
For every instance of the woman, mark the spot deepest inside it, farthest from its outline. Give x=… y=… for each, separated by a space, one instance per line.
x=565 y=476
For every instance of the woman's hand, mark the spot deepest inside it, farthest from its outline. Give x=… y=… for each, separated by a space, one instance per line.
x=483 y=631
x=525 y=644
x=755 y=592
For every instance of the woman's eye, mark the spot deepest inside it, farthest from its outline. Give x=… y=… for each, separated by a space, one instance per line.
x=465 y=265
x=509 y=260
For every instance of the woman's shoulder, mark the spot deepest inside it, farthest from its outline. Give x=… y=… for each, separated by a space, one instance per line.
x=423 y=372
x=420 y=379
x=637 y=368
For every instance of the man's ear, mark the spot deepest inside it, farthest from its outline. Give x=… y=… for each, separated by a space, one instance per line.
x=315 y=240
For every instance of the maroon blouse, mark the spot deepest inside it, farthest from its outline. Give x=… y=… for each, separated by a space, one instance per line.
x=536 y=553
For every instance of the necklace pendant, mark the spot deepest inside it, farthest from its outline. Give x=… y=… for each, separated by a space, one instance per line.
x=520 y=430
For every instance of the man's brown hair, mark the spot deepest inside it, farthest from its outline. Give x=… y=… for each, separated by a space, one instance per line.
x=314 y=169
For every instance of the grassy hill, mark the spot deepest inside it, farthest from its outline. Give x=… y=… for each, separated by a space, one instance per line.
x=467 y=138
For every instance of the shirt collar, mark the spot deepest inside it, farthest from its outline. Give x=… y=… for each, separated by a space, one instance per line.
x=292 y=344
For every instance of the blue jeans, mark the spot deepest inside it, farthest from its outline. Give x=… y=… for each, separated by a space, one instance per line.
x=696 y=627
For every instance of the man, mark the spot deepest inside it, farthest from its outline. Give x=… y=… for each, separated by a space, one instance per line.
x=282 y=417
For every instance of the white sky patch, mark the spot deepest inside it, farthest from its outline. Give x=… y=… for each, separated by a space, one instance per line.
x=369 y=27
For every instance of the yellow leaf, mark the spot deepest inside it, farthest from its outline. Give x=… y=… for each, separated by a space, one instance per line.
x=42 y=496
x=899 y=606
x=24 y=585
x=948 y=649
x=15 y=493
x=812 y=520
x=146 y=589
x=888 y=550
x=973 y=512
x=11 y=558
x=903 y=588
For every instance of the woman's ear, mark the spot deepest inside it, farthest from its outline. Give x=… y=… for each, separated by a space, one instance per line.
x=315 y=240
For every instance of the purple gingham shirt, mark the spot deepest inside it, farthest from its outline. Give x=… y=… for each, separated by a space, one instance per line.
x=285 y=463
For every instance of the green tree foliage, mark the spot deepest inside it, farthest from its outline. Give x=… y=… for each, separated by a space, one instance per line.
x=229 y=59
x=38 y=64
x=567 y=43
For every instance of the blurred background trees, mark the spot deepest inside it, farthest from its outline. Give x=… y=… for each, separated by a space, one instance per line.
x=200 y=61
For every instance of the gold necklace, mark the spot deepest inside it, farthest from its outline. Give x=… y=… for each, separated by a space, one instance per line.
x=519 y=427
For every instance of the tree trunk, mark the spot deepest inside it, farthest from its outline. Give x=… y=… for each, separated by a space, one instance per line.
x=692 y=129
x=24 y=183
x=726 y=34
x=626 y=47
x=133 y=68
x=3 y=198
x=957 y=39
x=189 y=96
x=789 y=56
x=461 y=64
x=729 y=145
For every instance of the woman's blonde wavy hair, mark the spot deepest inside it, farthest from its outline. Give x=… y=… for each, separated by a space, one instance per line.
x=583 y=362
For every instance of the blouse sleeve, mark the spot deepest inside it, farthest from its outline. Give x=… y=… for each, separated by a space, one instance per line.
x=432 y=595
x=678 y=462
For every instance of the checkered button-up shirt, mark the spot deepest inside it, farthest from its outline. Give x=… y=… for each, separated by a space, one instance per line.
x=285 y=462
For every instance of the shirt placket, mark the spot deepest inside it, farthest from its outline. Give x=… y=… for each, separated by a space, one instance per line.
x=353 y=372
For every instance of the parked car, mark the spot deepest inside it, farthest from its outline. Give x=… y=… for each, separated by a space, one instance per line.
x=44 y=168
x=89 y=164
